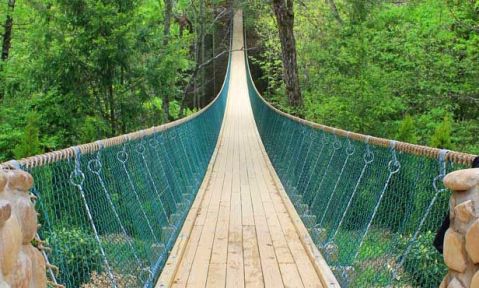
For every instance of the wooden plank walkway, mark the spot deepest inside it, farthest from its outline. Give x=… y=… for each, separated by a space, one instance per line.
x=242 y=230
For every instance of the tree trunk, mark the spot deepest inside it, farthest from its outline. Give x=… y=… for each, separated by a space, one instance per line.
x=7 y=35
x=213 y=52
x=197 y=55
x=201 y=57
x=166 y=34
x=108 y=83
x=111 y=99
x=283 y=10
x=334 y=10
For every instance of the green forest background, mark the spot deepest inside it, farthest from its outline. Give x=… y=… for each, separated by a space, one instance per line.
x=405 y=70
x=83 y=70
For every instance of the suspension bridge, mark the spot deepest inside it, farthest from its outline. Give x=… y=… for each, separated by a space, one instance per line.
x=241 y=194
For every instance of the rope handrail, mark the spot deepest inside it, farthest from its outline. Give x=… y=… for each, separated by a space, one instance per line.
x=69 y=152
x=127 y=195
x=111 y=210
x=372 y=206
x=50 y=157
x=421 y=150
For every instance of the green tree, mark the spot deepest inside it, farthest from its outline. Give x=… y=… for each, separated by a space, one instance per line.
x=284 y=13
x=407 y=130
x=361 y=71
x=89 y=68
x=442 y=135
x=29 y=143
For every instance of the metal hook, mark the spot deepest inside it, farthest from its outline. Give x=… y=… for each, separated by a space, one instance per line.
x=101 y=147
x=350 y=149
x=442 y=170
x=392 y=147
x=442 y=161
x=77 y=151
x=77 y=177
x=394 y=165
x=100 y=144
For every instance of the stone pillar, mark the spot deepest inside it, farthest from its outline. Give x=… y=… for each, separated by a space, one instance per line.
x=21 y=264
x=461 y=242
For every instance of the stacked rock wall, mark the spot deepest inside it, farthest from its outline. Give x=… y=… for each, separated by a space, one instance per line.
x=461 y=242
x=21 y=264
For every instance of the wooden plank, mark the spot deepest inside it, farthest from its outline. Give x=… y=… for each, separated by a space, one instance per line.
x=277 y=236
x=246 y=205
x=199 y=269
x=252 y=262
x=321 y=267
x=304 y=264
x=216 y=275
x=172 y=264
x=181 y=277
x=220 y=245
x=235 y=266
x=269 y=262
x=290 y=274
x=287 y=241
x=279 y=240
x=306 y=270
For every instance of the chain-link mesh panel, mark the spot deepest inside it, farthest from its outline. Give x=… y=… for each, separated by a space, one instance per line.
x=112 y=216
x=372 y=211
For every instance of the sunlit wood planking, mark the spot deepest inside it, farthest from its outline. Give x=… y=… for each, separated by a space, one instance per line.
x=244 y=233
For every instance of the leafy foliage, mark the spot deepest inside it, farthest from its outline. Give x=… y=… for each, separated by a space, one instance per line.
x=77 y=254
x=29 y=142
x=442 y=135
x=403 y=70
x=407 y=131
x=423 y=264
x=394 y=69
x=92 y=69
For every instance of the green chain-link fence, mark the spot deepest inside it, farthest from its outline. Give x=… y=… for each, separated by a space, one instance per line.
x=112 y=216
x=373 y=211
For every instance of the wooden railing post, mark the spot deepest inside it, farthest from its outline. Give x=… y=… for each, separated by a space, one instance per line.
x=461 y=242
x=21 y=264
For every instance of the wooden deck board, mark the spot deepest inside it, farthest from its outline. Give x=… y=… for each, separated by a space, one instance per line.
x=242 y=233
